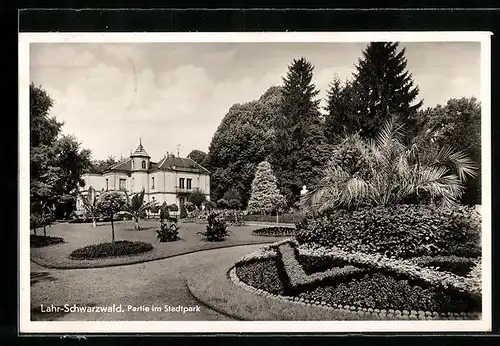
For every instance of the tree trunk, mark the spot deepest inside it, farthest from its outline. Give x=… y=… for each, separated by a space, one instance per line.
x=94 y=222
x=235 y=217
x=112 y=231
x=44 y=230
x=277 y=219
x=136 y=224
x=34 y=229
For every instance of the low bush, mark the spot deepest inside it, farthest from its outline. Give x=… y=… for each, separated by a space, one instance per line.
x=120 y=248
x=274 y=231
x=41 y=241
x=169 y=231
x=454 y=264
x=217 y=229
x=379 y=291
x=284 y=218
x=262 y=274
x=402 y=231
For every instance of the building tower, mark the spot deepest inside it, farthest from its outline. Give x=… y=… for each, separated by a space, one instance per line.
x=140 y=165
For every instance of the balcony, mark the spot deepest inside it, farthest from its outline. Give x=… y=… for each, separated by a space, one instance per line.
x=182 y=190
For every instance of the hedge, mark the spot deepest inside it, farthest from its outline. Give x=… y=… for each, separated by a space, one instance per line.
x=402 y=231
x=274 y=231
x=41 y=241
x=282 y=218
x=120 y=248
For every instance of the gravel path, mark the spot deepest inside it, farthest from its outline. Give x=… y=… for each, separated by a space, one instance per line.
x=160 y=283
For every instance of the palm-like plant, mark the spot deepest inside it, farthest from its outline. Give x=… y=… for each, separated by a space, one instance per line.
x=393 y=173
x=90 y=204
x=136 y=207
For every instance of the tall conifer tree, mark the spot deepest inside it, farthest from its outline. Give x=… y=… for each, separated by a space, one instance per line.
x=385 y=88
x=300 y=145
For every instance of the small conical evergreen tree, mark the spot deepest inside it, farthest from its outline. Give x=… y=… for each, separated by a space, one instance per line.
x=266 y=196
x=385 y=88
x=299 y=139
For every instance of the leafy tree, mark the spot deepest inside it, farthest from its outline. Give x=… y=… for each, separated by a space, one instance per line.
x=56 y=162
x=232 y=201
x=90 y=204
x=183 y=213
x=136 y=206
x=385 y=87
x=110 y=203
x=458 y=124
x=197 y=197
x=198 y=156
x=73 y=162
x=97 y=166
x=300 y=145
x=243 y=139
x=209 y=205
x=386 y=172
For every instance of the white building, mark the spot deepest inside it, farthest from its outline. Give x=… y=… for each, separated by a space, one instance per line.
x=169 y=180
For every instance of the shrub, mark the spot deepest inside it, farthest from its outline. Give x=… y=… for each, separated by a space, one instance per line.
x=400 y=231
x=457 y=265
x=274 y=231
x=41 y=241
x=183 y=212
x=169 y=231
x=120 y=248
x=216 y=229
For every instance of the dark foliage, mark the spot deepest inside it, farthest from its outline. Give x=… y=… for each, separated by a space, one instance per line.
x=169 y=230
x=274 y=231
x=379 y=291
x=264 y=274
x=41 y=241
x=401 y=231
x=217 y=229
x=120 y=248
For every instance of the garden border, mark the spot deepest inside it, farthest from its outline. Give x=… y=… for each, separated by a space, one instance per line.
x=375 y=314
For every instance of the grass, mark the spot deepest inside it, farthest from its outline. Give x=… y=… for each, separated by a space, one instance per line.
x=80 y=235
x=155 y=283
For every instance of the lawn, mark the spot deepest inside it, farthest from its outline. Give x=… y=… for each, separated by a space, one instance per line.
x=80 y=235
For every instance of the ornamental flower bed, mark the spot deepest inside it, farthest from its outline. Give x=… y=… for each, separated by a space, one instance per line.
x=375 y=286
x=274 y=231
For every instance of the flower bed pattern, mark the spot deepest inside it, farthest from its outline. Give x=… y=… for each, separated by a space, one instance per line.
x=274 y=231
x=374 y=286
x=120 y=248
x=41 y=240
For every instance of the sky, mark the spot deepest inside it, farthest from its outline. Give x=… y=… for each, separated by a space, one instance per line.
x=110 y=95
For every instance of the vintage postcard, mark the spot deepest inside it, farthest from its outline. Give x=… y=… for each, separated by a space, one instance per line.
x=254 y=182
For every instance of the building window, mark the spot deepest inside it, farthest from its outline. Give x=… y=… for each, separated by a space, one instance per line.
x=181 y=183
x=123 y=184
x=107 y=184
x=143 y=164
x=152 y=182
x=188 y=184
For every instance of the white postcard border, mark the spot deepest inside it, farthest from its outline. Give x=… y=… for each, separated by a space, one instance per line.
x=27 y=326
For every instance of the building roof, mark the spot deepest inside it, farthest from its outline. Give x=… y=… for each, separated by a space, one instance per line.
x=140 y=152
x=172 y=163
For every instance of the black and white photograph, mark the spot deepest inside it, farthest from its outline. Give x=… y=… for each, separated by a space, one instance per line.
x=255 y=182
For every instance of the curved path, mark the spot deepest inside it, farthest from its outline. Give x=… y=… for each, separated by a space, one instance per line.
x=157 y=283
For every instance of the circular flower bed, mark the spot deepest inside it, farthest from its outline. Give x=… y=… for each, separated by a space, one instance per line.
x=41 y=240
x=274 y=231
x=421 y=288
x=119 y=248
